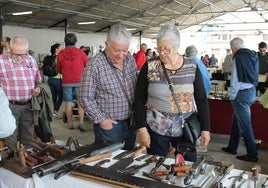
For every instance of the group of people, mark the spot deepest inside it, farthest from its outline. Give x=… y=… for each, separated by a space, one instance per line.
x=112 y=87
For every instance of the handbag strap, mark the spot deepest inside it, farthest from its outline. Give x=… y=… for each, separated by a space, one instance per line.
x=170 y=86
x=118 y=79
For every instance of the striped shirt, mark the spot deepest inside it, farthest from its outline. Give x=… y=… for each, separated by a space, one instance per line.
x=18 y=79
x=101 y=94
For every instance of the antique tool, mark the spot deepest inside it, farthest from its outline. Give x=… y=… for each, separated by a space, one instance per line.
x=111 y=148
x=69 y=167
x=160 y=162
x=53 y=150
x=107 y=177
x=102 y=162
x=264 y=184
x=123 y=154
x=134 y=168
x=243 y=179
x=194 y=171
x=142 y=157
x=125 y=162
x=255 y=169
x=74 y=156
x=225 y=172
x=22 y=156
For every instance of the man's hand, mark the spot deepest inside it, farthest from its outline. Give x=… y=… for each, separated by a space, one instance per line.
x=36 y=91
x=107 y=124
x=144 y=137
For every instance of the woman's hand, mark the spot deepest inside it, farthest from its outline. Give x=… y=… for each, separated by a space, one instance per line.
x=205 y=138
x=144 y=137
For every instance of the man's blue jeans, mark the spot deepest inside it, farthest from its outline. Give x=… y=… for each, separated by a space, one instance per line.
x=119 y=133
x=241 y=123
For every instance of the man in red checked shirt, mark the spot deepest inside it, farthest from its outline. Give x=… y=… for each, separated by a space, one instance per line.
x=140 y=57
x=20 y=79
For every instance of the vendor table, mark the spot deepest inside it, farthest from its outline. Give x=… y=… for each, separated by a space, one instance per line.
x=221 y=118
x=11 y=180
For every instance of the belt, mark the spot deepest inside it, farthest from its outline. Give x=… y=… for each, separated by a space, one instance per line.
x=19 y=102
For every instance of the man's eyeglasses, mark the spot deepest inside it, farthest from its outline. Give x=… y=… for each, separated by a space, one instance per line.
x=19 y=57
x=164 y=50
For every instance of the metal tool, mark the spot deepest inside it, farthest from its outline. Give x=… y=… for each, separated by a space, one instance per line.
x=255 y=169
x=194 y=171
x=264 y=184
x=244 y=177
x=125 y=162
x=66 y=169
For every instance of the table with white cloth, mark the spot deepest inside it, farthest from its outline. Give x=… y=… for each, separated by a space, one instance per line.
x=9 y=179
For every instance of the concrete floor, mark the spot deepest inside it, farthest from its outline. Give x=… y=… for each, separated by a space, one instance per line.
x=217 y=142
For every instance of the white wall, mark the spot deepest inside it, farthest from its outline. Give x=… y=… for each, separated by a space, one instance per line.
x=40 y=40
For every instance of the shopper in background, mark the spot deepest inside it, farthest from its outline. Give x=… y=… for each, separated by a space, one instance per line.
x=5 y=44
x=71 y=62
x=156 y=115
x=244 y=79
x=140 y=57
x=7 y=120
x=191 y=52
x=20 y=79
x=55 y=82
x=107 y=89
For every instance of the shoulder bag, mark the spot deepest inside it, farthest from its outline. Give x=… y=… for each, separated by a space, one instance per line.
x=191 y=125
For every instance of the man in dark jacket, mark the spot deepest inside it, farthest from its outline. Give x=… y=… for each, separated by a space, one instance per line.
x=244 y=79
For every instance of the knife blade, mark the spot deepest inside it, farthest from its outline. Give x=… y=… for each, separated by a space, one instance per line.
x=125 y=162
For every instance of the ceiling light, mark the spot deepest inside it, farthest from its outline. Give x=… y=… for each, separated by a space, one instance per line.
x=131 y=29
x=21 y=13
x=85 y=23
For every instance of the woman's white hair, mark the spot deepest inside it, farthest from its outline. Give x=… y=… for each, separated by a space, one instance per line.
x=169 y=32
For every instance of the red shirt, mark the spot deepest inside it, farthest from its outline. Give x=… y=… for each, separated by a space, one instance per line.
x=71 y=62
x=140 y=59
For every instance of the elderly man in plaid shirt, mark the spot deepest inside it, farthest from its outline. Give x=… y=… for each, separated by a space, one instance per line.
x=107 y=89
x=19 y=78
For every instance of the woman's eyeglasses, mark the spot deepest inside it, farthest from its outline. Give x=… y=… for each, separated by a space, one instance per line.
x=164 y=50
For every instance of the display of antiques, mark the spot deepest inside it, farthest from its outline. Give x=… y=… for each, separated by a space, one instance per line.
x=108 y=164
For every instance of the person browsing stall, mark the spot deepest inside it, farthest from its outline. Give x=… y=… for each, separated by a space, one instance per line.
x=156 y=115
x=244 y=79
x=20 y=79
x=107 y=89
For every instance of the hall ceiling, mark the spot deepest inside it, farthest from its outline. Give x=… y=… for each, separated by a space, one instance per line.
x=145 y=16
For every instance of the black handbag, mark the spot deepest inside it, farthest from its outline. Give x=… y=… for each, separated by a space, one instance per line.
x=192 y=128
x=191 y=125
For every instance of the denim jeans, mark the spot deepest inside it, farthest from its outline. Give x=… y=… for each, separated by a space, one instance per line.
x=241 y=123
x=55 y=85
x=160 y=146
x=119 y=133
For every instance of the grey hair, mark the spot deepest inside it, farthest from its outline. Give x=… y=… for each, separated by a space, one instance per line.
x=191 y=51
x=20 y=40
x=169 y=32
x=119 y=34
x=237 y=43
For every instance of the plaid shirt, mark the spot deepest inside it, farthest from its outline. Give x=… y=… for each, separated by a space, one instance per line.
x=101 y=95
x=18 y=80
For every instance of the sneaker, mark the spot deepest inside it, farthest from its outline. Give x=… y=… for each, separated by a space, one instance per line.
x=57 y=115
x=81 y=127
x=69 y=125
x=228 y=150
